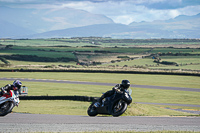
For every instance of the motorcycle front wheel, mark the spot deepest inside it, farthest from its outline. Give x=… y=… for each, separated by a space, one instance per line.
x=6 y=108
x=92 y=110
x=119 y=108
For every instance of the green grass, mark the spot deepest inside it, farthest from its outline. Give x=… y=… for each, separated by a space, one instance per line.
x=102 y=41
x=108 y=49
x=138 y=95
x=65 y=107
x=36 y=50
x=151 y=110
x=176 y=50
x=184 y=62
x=61 y=107
x=165 y=96
x=181 y=59
x=60 y=89
x=138 y=79
x=122 y=47
x=38 y=53
x=35 y=42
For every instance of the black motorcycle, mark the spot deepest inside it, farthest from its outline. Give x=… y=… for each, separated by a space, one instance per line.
x=114 y=105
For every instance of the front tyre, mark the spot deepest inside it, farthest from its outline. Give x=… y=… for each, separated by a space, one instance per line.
x=6 y=108
x=119 y=108
x=92 y=110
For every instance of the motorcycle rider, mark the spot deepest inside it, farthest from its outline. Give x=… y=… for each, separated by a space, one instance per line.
x=125 y=84
x=15 y=87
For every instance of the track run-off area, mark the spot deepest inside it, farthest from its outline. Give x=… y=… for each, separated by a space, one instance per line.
x=105 y=84
x=112 y=84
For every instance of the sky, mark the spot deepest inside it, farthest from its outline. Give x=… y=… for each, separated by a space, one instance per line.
x=120 y=11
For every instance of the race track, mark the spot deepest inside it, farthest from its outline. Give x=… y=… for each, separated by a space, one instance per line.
x=16 y=122
x=104 y=84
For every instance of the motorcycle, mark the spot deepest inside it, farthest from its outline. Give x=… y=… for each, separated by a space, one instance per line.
x=114 y=105
x=8 y=102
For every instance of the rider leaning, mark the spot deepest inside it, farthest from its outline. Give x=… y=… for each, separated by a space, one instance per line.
x=119 y=87
x=15 y=87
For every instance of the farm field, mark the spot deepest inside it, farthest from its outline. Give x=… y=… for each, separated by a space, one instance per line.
x=165 y=55
x=182 y=55
x=99 y=41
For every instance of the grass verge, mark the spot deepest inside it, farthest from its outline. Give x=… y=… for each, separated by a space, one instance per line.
x=65 y=107
x=139 y=79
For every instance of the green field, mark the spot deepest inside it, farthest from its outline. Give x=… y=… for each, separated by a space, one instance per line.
x=79 y=108
x=95 y=53
x=99 y=53
x=176 y=50
x=105 y=42
x=139 y=79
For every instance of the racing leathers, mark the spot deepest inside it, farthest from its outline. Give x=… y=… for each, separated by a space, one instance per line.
x=109 y=93
x=6 y=89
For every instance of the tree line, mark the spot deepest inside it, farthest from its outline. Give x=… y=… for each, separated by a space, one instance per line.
x=34 y=58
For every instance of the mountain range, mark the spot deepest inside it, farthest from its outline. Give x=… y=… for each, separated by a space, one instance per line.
x=67 y=22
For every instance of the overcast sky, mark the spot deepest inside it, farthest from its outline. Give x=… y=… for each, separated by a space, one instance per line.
x=120 y=11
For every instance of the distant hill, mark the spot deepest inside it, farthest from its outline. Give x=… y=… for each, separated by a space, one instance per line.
x=100 y=30
x=179 y=27
x=13 y=30
x=44 y=20
x=30 y=23
x=184 y=17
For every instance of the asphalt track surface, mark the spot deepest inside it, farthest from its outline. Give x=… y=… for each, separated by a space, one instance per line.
x=16 y=122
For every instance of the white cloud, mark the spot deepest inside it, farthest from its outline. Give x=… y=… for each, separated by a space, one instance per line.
x=173 y=13
x=128 y=11
x=121 y=11
x=190 y=10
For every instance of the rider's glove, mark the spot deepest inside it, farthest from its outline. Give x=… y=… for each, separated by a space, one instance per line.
x=2 y=90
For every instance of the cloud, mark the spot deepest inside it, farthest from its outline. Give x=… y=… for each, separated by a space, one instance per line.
x=120 y=11
x=127 y=11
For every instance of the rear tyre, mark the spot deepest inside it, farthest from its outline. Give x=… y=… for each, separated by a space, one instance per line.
x=119 y=108
x=92 y=110
x=6 y=108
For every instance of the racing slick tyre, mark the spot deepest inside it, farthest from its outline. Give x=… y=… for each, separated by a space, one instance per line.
x=6 y=108
x=92 y=110
x=119 y=108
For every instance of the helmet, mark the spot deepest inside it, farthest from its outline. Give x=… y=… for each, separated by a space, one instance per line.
x=17 y=83
x=125 y=84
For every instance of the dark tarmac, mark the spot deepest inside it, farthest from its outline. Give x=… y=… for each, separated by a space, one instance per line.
x=16 y=122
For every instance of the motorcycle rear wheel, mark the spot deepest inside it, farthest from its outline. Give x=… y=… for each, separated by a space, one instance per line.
x=6 y=108
x=119 y=108
x=92 y=111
